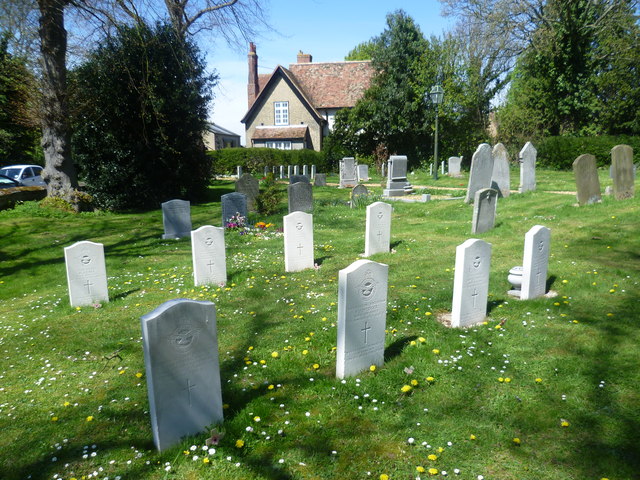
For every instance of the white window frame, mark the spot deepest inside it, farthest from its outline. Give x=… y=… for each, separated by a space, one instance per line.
x=281 y=113
x=280 y=144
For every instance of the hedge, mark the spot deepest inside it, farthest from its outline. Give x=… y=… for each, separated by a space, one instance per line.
x=560 y=152
x=254 y=160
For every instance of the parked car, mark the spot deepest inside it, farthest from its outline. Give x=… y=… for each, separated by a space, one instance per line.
x=26 y=175
x=6 y=182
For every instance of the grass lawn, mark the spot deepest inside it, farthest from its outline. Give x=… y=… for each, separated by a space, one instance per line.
x=545 y=389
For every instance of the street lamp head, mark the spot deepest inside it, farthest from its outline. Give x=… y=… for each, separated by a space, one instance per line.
x=437 y=94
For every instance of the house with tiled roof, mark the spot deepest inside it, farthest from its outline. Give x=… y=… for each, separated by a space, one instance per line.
x=294 y=108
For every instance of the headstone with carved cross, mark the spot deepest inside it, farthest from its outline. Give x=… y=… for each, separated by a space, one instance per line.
x=484 y=210
x=182 y=369
x=176 y=217
x=209 y=256
x=471 y=283
x=535 y=262
x=298 y=241
x=86 y=273
x=378 y=228
x=362 y=317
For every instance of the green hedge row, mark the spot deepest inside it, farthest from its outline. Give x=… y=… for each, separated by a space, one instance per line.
x=254 y=160
x=560 y=152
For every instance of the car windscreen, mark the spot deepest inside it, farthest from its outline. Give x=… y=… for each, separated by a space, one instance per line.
x=10 y=172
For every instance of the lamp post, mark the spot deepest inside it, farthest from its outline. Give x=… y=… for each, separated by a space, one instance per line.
x=437 y=95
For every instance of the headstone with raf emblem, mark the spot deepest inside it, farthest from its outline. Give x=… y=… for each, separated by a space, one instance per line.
x=298 y=241
x=378 y=228
x=209 y=256
x=86 y=273
x=471 y=283
x=362 y=317
x=535 y=262
x=182 y=370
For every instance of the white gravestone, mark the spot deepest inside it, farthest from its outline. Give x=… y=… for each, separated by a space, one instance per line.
x=501 y=176
x=176 y=217
x=209 y=256
x=454 y=166
x=86 y=273
x=481 y=171
x=484 y=210
x=527 y=158
x=471 y=283
x=296 y=170
x=348 y=172
x=183 y=372
x=363 y=173
x=535 y=262
x=281 y=171
x=378 y=228
x=298 y=241
x=289 y=171
x=238 y=171
x=362 y=317
x=305 y=170
x=313 y=171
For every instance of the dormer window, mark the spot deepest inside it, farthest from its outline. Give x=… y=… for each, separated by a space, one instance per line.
x=281 y=111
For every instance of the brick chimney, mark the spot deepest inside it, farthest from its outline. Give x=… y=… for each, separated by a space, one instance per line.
x=253 y=87
x=304 y=57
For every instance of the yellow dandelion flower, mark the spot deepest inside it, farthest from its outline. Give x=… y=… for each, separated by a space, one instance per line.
x=500 y=379
x=422 y=339
x=256 y=418
x=516 y=441
x=139 y=375
x=430 y=379
x=420 y=469
x=66 y=404
x=205 y=460
x=428 y=314
x=414 y=382
x=262 y=362
x=405 y=388
x=507 y=380
x=275 y=354
x=239 y=443
x=90 y=418
x=432 y=457
x=413 y=343
x=538 y=380
x=120 y=372
x=564 y=424
x=54 y=419
x=372 y=368
x=435 y=351
x=472 y=437
x=384 y=476
x=271 y=387
x=433 y=471
x=316 y=366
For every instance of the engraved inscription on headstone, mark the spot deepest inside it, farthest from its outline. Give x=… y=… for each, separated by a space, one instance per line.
x=300 y=196
x=348 y=176
x=233 y=204
x=378 y=228
x=298 y=241
x=471 y=283
x=183 y=374
x=209 y=256
x=86 y=273
x=535 y=262
x=362 y=314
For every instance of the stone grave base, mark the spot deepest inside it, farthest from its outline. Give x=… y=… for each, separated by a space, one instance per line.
x=516 y=294
x=445 y=319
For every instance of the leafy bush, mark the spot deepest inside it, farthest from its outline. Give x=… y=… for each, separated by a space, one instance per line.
x=254 y=160
x=560 y=152
x=268 y=201
x=139 y=106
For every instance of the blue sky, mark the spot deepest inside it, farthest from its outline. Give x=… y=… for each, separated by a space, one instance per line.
x=327 y=29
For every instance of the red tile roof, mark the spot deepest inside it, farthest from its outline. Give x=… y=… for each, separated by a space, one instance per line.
x=262 y=133
x=335 y=84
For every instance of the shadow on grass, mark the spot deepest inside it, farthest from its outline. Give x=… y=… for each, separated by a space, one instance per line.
x=395 y=349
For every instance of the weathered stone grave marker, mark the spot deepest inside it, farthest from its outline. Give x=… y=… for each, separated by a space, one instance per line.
x=397 y=184
x=86 y=273
x=357 y=192
x=250 y=186
x=481 y=170
x=183 y=372
x=527 y=159
x=300 y=197
x=484 y=210
x=176 y=218
x=209 y=256
x=535 y=262
x=362 y=317
x=363 y=173
x=298 y=241
x=471 y=283
x=378 y=228
x=320 y=180
x=298 y=178
x=348 y=177
x=622 y=172
x=454 y=166
x=233 y=204
x=587 y=182
x=501 y=176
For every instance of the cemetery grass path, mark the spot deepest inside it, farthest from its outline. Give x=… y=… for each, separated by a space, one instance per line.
x=545 y=389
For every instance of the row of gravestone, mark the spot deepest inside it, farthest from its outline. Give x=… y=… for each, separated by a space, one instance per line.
x=309 y=172
x=181 y=345
x=622 y=172
x=86 y=267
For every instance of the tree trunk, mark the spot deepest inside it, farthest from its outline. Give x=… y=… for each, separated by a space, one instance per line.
x=59 y=172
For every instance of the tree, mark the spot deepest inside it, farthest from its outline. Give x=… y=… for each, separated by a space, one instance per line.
x=188 y=17
x=141 y=111
x=362 y=51
x=18 y=129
